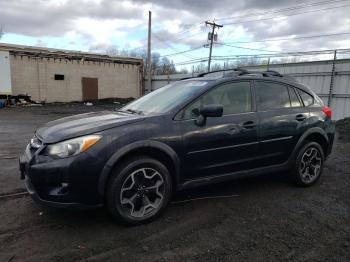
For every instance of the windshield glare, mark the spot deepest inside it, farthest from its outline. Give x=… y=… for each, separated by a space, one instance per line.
x=166 y=98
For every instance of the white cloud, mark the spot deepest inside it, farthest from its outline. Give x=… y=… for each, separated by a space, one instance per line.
x=103 y=22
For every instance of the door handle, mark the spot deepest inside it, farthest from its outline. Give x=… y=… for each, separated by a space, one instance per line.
x=248 y=124
x=300 y=117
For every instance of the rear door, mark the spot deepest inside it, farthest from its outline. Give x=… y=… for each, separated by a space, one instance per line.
x=282 y=120
x=224 y=144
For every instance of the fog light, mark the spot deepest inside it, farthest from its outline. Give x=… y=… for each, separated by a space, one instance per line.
x=64 y=185
x=64 y=188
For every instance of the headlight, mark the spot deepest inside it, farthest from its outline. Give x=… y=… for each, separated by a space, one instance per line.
x=73 y=146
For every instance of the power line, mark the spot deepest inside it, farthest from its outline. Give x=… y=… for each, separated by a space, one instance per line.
x=189 y=29
x=188 y=36
x=179 y=53
x=169 y=46
x=315 y=52
x=248 y=48
x=291 y=38
x=290 y=8
x=286 y=54
x=194 y=61
x=305 y=5
x=264 y=19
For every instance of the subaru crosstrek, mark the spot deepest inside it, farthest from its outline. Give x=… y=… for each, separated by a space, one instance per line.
x=207 y=129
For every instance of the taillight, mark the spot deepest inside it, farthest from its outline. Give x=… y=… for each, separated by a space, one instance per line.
x=328 y=111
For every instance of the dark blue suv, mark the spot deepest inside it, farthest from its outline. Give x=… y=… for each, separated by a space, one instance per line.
x=212 y=128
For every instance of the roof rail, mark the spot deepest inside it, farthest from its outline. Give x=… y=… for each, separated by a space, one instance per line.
x=273 y=73
x=241 y=70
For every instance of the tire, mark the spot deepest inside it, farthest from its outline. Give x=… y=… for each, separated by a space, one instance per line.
x=138 y=190
x=308 y=165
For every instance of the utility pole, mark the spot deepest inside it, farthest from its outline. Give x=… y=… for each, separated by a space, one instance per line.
x=149 y=55
x=213 y=25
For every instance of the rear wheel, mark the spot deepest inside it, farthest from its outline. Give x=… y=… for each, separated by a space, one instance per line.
x=309 y=164
x=139 y=190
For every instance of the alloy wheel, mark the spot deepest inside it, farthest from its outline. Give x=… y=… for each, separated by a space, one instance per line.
x=310 y=165
x=142 y=192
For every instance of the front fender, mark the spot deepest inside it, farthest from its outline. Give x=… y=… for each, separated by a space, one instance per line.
x=131 y=147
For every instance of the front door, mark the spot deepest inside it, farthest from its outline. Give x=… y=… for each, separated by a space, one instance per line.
x=224 y=144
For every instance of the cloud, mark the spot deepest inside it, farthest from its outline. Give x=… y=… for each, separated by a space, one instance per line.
x=178 y=24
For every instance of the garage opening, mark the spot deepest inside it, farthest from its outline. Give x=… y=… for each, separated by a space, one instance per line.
x=90 y=88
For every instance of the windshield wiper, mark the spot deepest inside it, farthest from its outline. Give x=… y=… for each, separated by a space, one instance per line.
x=131 y=111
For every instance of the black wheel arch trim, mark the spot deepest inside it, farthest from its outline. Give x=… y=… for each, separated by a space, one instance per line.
x=311 y=131
x=132 y=147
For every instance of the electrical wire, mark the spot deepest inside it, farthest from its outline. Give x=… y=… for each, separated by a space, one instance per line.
x=248 y=48
x=171 y=47
x=287 y=15
x=290 y=8
x=277 y=55
x=285 y=39
x=179 y=53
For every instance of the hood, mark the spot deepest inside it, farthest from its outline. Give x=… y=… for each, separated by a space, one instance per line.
x=83 y=124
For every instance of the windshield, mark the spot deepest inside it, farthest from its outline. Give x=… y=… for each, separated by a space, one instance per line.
x=165 y=98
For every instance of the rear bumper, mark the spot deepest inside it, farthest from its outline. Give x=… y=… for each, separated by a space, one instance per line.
x=330 y=130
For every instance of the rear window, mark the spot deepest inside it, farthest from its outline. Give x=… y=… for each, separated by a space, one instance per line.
x=294 y=100
x=306 y=97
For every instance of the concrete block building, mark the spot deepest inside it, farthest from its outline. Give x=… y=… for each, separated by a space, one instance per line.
x=53 y=75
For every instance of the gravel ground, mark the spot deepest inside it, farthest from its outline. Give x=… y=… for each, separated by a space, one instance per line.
x=264 y=219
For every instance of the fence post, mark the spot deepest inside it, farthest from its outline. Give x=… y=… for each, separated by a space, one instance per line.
x=330 y=94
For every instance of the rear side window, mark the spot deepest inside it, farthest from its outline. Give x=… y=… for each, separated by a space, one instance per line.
x=272 y=96
x=307 y=98
x=235 y=98
x=318 y=102
x=294 y=100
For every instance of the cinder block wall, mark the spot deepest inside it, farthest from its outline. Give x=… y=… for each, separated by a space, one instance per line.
x=35 y=77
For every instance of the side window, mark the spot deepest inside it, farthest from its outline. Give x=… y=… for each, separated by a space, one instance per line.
x=294 y=100
x=235 y=98
x=272 y=96
x=307 y=99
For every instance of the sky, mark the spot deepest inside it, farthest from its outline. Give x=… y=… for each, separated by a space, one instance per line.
x=178 y=25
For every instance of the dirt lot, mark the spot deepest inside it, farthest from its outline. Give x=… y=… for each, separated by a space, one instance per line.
x=265 y=219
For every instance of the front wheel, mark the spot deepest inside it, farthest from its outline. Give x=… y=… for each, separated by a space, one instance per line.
x=139 y=190
x=309 y=164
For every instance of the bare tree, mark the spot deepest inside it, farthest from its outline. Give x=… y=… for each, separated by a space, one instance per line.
x=160 y=65
x=183 y=70
x=200 y=68
x=216 y=67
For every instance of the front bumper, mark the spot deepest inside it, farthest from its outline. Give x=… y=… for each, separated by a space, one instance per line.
x=63 y=183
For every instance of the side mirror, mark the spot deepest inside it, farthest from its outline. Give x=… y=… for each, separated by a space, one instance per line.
x=209 y=111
